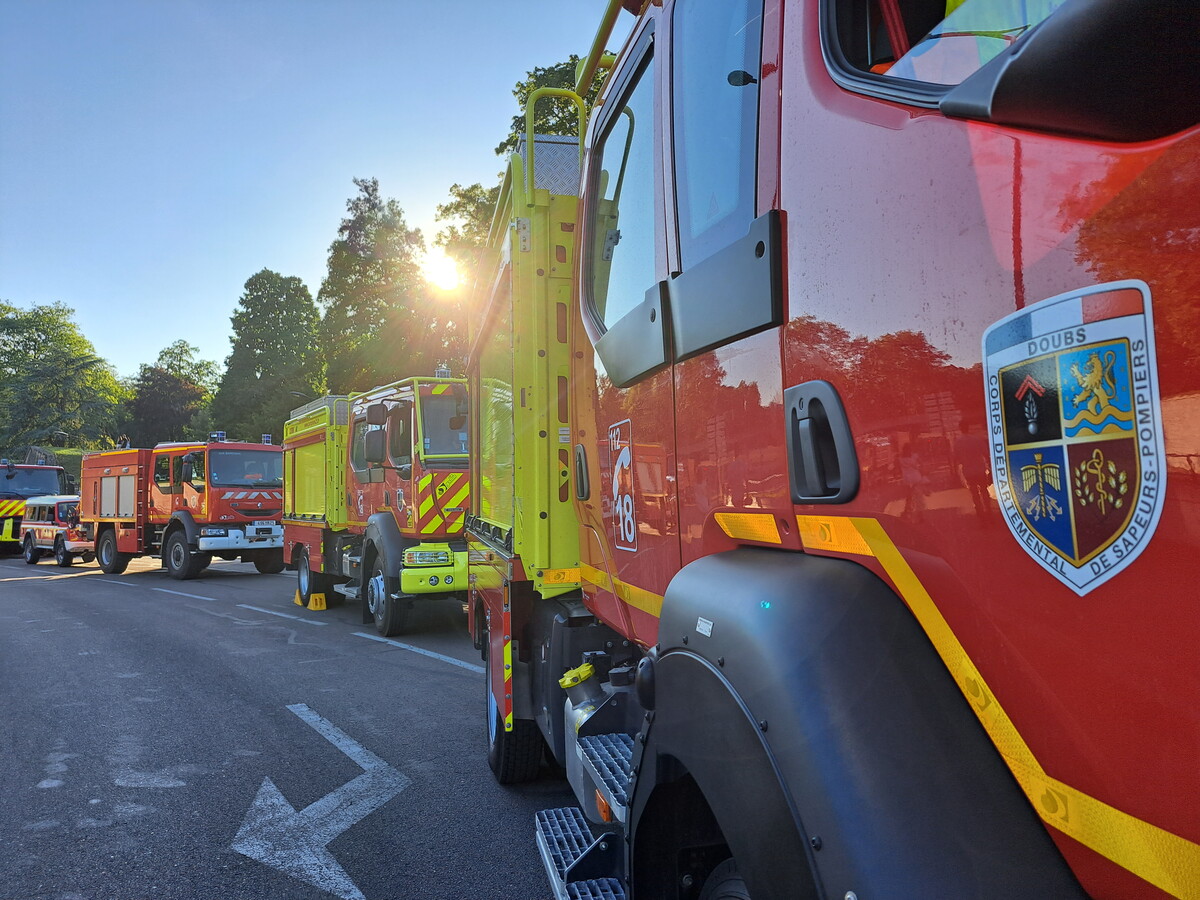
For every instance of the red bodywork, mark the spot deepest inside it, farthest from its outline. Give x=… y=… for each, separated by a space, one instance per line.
x=907 y=234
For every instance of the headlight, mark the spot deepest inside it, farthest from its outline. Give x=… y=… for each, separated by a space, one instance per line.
x=426 y=557
x=213 y=532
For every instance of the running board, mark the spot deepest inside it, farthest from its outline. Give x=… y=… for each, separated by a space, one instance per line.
x=579 y=865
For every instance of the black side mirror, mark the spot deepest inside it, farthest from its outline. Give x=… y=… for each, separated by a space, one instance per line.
x=375 y=446
x=376 y=414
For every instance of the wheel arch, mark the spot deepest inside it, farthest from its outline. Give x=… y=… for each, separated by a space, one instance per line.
x=182 y=519
x=383 y=534
x=847 y=731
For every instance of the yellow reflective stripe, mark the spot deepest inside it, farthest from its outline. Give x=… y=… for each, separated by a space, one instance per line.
x=1167 y=861
x=508 y=704
x=441 y=388
x=425 y=481
x=639 y=598
x=425 y=507
x=458 y=498
x=749 y=526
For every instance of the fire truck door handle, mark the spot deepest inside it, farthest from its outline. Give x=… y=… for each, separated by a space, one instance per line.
x=583 y=488
x=822 y=463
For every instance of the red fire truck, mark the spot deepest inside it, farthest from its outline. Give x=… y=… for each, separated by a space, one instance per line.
x=899 y=293
x=185 y=503
x=376 y=489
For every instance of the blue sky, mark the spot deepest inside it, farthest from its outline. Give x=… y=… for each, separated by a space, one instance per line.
x=154 y=154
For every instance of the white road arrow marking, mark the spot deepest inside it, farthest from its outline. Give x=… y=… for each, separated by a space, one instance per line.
x=294 y=842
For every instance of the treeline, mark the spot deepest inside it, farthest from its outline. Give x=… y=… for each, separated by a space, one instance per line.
x=374 y=319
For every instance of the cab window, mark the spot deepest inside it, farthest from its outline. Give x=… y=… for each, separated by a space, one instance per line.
x=358 y=456
x=162 y=472
x=197 y=460
x=932 y=42
x=399 y=427
x=68 y=513
x=716 y=57
x=622 y=259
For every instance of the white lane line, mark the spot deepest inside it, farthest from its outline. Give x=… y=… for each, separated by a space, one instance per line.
x=449 y=659
x=271 y=612
x=182 y=594
x=114 y=581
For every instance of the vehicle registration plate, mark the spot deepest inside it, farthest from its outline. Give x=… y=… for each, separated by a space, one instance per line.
x=264 y=524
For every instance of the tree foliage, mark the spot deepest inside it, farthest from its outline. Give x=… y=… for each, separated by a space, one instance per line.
x=469 y=217
x=169 y=395
x=380 y=322
x=552 y=115
x=275 y=351
x=52 y=381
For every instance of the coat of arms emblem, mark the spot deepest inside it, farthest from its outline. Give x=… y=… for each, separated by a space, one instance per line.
x=1075 y=429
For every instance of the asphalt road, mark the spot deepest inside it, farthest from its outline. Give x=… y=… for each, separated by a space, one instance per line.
x=210 y=739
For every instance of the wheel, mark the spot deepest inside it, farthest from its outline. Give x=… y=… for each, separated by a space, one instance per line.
x=390 y=614
x=269 y=562
x=111 y=562
x=516 y=755
x=725 y=882
x=309 y=582
x=182 y=564
x=203 y=561
x=30 y=551
x=61 y=556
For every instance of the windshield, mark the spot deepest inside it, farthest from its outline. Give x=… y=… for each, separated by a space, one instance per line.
x=444 y=430
x=245 y=468
x=68 y=512
x=32 y=482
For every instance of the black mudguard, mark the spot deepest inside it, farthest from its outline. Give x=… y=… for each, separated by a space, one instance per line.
x=181 y=518
x=383 y=534
x=830 y=743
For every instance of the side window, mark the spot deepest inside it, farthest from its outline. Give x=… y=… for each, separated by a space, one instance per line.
x=358 y=456
x=716 y=57
x=399 y=427
x=622 y=256
x=162 y=472
x=198 y=471
x=933 y=42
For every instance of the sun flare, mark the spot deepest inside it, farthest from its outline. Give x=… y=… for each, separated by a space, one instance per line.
x=440 y=270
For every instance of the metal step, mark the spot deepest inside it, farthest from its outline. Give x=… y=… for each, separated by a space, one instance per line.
x=347 y=589
x=579 y=865
x=606 y=757
x=596 y=889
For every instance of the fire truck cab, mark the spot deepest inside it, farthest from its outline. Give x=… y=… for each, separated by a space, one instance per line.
x=899 y=295
x=185 y=503
x=376 y=490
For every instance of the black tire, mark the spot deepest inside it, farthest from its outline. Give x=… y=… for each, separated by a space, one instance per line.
x=203 y=560
x=514 y=756
x=390 y=615
x=309 y=582
x=61 y=556
x=181 y=563
x=269 y=562
x=30 y=551
x=725 y=882
x=111 y=562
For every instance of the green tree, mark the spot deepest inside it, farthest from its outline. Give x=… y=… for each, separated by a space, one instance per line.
x=52 y=381
x=552 y=115
x=169 y=395
x=275 y=351
x=469 y=214
x=374 y=297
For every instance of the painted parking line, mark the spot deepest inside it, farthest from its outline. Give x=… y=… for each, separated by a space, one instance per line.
x=271 y=612
x=182 y=594
x=114 y=581
x=448 y=659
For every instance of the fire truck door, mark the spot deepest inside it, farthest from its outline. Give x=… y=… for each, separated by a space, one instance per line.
x=164 y=486
x=631 y=545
